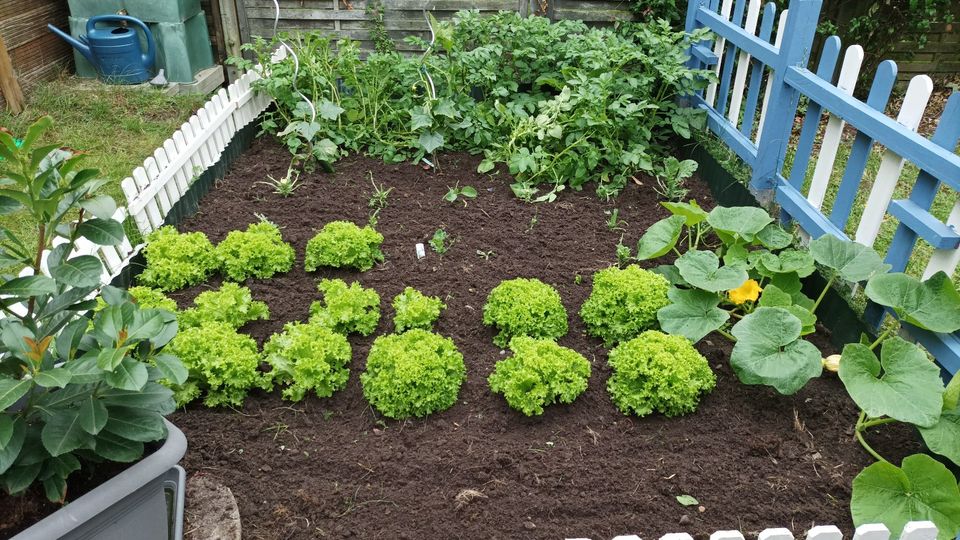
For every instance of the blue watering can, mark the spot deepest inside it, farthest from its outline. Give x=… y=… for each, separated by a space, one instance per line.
x=114 y=49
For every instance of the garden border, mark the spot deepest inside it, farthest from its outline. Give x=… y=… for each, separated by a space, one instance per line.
x=169 y=186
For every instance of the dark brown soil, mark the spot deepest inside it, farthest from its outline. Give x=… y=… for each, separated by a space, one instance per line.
x=333 y=468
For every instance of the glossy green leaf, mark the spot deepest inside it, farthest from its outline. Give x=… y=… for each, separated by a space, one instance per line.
x=8 y=205
x=769 y=351
x=82 y=271
x=11 y=390
x=63 y=432
x=53 y=378
x=55 y=488
x=944 y=437
x=702 y=269
x=171 y=367
x=129 y=374
x=27 y=286
x=86 y=369
x=19 y=478
x=135 y=424
x=851 y=260
x=693 y=313
x=101 y=206
x=660 y=238
x=117 y=448
x=6 y=429
x=109 y=358
x=933 y=304
x=903 y=384
x=152 y=397
x=103 y=232
x=744 y=222
x=11 y=451
x=690 y=211
x=93 y=415
x=923 y=489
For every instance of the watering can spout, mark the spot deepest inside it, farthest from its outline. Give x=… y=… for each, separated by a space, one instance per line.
x=79 y=45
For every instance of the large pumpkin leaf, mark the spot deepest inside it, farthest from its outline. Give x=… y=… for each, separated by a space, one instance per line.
x=774 y=237
x=789 y=260
x=944 y=437
x=769 y=351
x=903 y=384
x=852 y=261
x=692 y=313
x=691 y=211
x=702 y=270
x=660 y=238
x=922 y=490
x=773 y=296
x=731 y=222
x=933 y=304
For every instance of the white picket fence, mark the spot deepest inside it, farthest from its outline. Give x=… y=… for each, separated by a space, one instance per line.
x=915 y=530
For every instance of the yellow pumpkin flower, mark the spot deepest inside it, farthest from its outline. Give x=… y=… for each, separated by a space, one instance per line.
x=750 y=290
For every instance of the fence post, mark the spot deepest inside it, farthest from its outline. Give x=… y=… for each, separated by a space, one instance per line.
x=775 y=137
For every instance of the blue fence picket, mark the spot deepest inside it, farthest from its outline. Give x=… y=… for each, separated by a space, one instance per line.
x=879 y=95
x=756 y=72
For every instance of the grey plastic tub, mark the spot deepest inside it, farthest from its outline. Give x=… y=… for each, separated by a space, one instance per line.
x=144 y=502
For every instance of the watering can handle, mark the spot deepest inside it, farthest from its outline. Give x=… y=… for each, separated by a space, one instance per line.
x=150 y=56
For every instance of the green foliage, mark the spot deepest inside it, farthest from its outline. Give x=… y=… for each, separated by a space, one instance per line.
x=258 y=252
x=415 y=373
x=413 y=309
x=658 y=372
x=623 y=303
x=308 y=357
x=671 y=176
x=559 y=103
x=346 y=309
x=933 y=304
x=343 y=244
x=539 y=373
x=438 y=242
x=525 y=307
x=147 y=298
x=77 y=385
x=461 y=193
x=223 y=365
x=922 y=489
x=769 y=351
x=231 y=304
x=177 y=260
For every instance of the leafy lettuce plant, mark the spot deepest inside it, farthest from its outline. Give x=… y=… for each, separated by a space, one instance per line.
x=525 y=307
x=77 y=386
x=623 y=303
x=413 y=309
x=415 y=373
x=657 y=372
x=539 y=373
x=343 y=244
x=176 y=260
x=223 y=365
x=258 y=252
x=147 y=298
x=346 y=309
x=308 y=357
x=231 y=304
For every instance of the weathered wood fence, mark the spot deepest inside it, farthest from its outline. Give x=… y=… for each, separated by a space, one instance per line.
x=402 y=18
x=761 y=53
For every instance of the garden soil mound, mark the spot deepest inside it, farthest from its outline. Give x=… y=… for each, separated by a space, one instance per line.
x=334 y=468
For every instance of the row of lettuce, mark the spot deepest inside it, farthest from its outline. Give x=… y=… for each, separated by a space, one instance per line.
x=560 y=104
x=413 y=372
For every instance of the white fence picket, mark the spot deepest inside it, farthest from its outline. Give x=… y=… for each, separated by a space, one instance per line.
x=727 y=535
x=911 y=111
x=852 y=60
x=873 y=531
x=781 y=24
x=718 y=49
x=919 y=530
x=946 y=260
x=824 y=532
x=775 y=534
x=914 y=530
x=743 y=65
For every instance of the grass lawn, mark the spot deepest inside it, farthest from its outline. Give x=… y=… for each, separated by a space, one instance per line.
x=116 y=126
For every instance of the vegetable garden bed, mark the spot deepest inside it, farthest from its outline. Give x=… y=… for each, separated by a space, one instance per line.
x=335 y=468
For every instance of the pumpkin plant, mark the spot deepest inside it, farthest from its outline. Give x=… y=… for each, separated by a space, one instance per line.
x=740 y=266
x=74 y=387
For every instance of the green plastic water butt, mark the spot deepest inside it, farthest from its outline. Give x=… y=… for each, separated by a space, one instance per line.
x=89 y=8
x=183 y=49
x=162 y=11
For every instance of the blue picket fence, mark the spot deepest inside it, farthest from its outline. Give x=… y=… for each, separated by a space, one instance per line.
x=761 y=60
